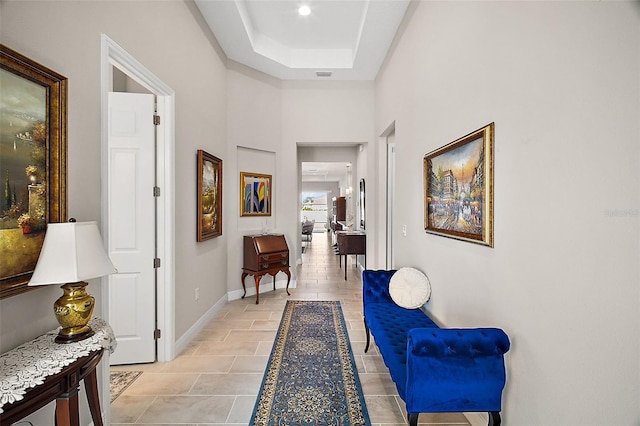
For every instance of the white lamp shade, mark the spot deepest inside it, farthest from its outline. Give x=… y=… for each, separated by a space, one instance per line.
x=71 y=252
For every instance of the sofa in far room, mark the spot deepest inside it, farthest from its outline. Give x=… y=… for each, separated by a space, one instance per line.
x=434 y=369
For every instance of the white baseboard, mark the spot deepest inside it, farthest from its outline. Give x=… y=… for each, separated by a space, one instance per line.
x=196 y=328
x=186 y=338
x=477 y=419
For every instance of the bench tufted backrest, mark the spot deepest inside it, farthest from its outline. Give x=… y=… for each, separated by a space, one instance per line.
x=375 y=286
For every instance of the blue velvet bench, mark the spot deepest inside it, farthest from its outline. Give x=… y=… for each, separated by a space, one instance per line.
x=434 y=369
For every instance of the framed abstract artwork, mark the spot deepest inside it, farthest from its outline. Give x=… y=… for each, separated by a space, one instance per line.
x=255 y=194
x=458 y=185
x=209 y=196
x=33 y=163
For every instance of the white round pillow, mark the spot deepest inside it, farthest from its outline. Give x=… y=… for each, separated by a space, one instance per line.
x=409 y=288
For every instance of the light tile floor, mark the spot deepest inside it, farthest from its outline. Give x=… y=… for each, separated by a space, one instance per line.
x=216 y=380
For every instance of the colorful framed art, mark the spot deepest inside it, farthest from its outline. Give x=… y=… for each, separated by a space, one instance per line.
x=458 y=184
x=255 y=194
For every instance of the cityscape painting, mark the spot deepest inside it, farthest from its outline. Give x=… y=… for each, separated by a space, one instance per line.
x=458 y=184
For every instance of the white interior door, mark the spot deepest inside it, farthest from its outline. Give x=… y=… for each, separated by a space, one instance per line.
x=131 y=224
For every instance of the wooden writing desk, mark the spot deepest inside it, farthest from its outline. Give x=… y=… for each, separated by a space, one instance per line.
x=354 y=242
x=265 y=254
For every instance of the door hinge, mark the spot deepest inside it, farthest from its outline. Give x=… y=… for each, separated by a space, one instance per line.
x=157 y=334
x=156 y=120
x=156 y=191
x=156 y=262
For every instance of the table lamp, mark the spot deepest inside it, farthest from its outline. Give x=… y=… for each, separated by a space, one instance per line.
x=72 y=252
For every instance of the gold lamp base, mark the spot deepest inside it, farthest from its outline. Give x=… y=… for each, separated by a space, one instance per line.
x=73 y=311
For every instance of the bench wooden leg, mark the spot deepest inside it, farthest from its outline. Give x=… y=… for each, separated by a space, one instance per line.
x=494 y=418
x=413 y=419
x=366 y=327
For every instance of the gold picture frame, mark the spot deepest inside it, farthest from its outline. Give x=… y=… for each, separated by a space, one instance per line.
x=209 y=196
x=458 y=185
x=33 y=163
x=255 y=194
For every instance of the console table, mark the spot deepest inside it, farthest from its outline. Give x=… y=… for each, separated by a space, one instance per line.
x=40 y=371
x=265 y=254
x=351 y=242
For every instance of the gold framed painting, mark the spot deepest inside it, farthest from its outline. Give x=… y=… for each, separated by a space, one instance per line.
x=209 y=196
x=33 y=163
x=255 y=194
x=458 y=185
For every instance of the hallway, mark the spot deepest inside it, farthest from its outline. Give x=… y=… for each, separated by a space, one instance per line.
x=215 y=381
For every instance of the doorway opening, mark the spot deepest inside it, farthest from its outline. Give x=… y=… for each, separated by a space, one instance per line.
x=113 y=56
x=331 y=169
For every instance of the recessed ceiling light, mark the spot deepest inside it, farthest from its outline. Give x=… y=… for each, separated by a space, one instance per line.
x=304 y=10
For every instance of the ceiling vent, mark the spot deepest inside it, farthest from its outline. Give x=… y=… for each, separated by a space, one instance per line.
x=323 y=73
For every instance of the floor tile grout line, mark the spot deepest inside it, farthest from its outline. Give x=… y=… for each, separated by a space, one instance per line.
x=146 y=409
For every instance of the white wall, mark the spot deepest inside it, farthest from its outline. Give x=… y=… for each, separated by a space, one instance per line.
x=166 y=38
x=320 y=113
x=254 y=134
x=218 y=109
x=330 y=187
x=274 y=116
x=561 y=82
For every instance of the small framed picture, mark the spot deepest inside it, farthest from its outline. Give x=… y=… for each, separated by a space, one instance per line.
x=209 y=196
x=255 y=194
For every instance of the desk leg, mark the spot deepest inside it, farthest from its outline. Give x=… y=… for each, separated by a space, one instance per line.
x=244 y=275
x=345 y=267
x=67 y=413
x=257 y=277
x=286 y=271
x=91 y=387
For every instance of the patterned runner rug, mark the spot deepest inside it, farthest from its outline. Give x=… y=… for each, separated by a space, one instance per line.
x=311 y=378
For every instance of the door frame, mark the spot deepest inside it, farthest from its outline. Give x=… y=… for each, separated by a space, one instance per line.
x=391 y=187
x=112 y=55
x=386 y=192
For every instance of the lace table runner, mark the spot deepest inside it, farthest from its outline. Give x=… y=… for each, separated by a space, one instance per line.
x=30 y=364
